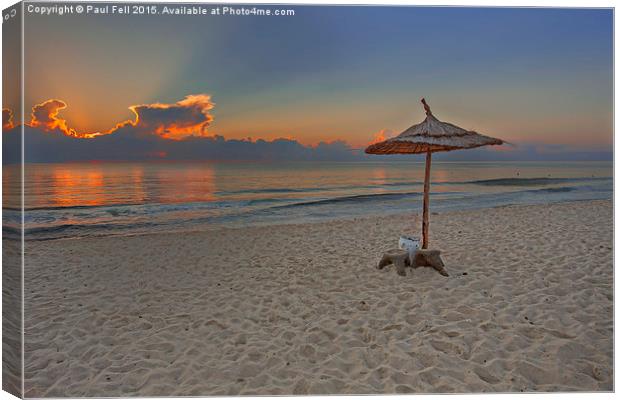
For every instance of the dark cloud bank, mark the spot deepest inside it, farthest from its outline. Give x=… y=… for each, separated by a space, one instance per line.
x=126 y=144
x=130 y=144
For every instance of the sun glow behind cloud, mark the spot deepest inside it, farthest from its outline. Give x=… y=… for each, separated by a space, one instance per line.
x=45 y=116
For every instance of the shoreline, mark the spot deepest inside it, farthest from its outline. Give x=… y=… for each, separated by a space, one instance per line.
x=240 y=226
x=301 y=309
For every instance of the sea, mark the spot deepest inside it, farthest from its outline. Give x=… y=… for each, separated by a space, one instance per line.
x=78 y=200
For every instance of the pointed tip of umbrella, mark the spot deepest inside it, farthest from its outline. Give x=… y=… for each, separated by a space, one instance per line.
x=427 y=109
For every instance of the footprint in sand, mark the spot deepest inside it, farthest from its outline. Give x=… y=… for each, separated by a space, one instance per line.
x=486 y=375
x=308 y=352
x=448 y=348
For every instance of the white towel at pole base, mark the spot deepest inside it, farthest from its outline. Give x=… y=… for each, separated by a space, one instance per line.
x=411 y=244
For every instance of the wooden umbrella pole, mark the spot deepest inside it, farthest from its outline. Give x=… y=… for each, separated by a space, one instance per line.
x=427 y=184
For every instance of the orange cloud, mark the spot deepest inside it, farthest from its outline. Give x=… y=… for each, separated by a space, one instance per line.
x=383 y=134
x=7 y=119
x=45 y=116
x=187 y=117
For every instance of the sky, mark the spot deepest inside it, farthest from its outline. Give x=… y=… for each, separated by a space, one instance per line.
x=533 y=77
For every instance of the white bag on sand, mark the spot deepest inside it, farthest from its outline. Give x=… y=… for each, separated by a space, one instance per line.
x=409 y=243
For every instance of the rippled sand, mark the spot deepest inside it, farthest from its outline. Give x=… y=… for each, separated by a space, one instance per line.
x=301 y=308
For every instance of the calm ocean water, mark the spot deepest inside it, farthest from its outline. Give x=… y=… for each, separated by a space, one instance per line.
x=93 y=199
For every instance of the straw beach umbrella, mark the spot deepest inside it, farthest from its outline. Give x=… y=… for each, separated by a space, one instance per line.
x=428 y=137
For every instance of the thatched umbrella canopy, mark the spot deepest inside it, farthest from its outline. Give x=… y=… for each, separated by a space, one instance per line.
x=429 y=136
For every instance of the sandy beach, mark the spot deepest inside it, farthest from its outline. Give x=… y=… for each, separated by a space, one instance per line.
x=301 y=309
